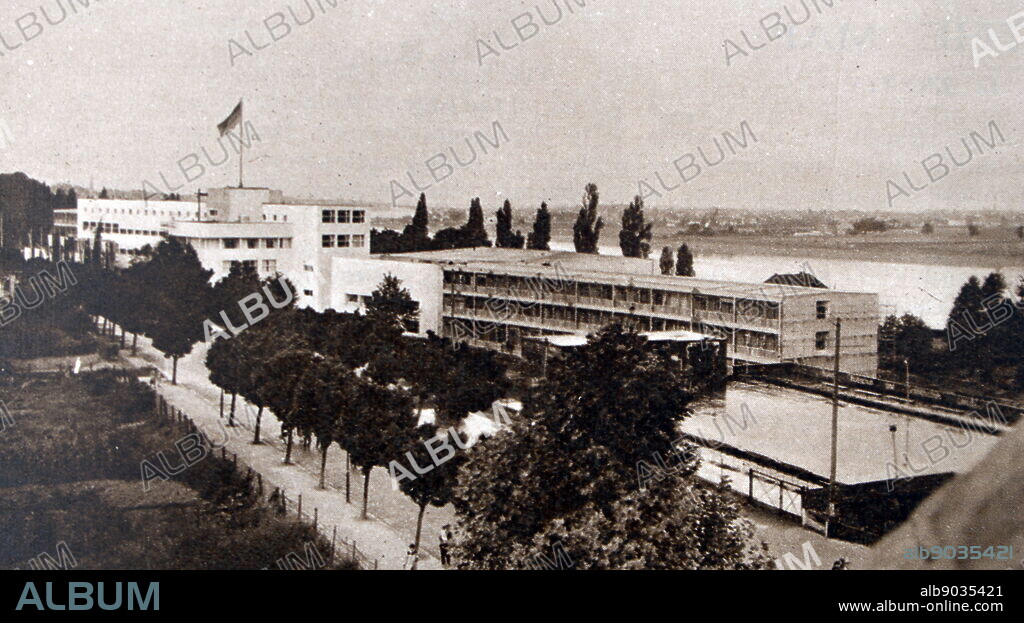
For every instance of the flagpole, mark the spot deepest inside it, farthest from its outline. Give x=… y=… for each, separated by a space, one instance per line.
x=241 y=148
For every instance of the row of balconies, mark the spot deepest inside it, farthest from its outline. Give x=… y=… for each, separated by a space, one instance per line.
x=681 y=312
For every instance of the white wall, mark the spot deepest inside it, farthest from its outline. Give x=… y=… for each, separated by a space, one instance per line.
x=425 y=283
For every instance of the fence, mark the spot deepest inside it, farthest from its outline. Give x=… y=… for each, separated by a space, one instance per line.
x=758 y=483
x=899 y=390
x=277 y=498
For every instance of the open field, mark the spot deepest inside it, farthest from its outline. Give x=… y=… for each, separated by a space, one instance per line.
x=72 y=474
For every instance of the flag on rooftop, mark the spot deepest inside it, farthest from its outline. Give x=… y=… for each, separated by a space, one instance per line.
x=233 y=120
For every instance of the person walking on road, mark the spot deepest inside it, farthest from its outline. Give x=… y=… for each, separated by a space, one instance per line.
x=411 y=558
x=444 y=544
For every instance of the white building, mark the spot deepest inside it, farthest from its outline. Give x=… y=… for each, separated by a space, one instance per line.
x=256 y=226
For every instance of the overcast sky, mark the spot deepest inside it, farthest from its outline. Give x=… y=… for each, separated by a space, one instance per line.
x=368 y=91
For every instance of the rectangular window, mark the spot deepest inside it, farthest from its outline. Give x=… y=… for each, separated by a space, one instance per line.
x=327 y=241
x=821 y=340
x=358 y=240
x=230 y=243
x=327 y=216
x=308 y=292
x=344 y=240
x=344 y=216
x=270 y=243
x=252 y=243
x=270 y=266
x=358 y=216
x=822 y=309
x=352 y=298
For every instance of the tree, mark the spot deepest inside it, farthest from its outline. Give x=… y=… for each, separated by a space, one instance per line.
x=437 y=486
x=260 y=344
x=667 y=262
x=635 y=235
x=972 y=230
x=416 y=235
x=684 y=262
x=325 y=397
x=966 y=318
x=448 y=238
x=474 y=234
x=104 y=194
x=241 y=281
x=911 y=339
x=279 y=390
x=378 y=430
x=1020 y=232
x=569 y=465
x=228 y=370
x=468 y=381
x=385 y=241
x=586 y=232
x=540 y=237
x=504 y=238
x=392 y=309
x=179 y=301
x=927 y=229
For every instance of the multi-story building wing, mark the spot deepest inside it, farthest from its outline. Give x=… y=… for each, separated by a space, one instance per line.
x=254 y=226
x=499 y=296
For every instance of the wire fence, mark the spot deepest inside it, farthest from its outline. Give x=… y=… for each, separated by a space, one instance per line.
x=276 y=497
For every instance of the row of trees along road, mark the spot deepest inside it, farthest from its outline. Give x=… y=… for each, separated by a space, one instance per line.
x=354 y=380
x=634 y=236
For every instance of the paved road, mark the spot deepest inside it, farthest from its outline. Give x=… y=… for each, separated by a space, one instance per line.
x=392 y=524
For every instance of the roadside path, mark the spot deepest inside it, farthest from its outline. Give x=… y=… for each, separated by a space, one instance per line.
x=378 y=539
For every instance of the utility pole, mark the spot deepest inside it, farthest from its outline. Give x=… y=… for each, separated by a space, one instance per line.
x=835 y=434
x=241 y=148
x=906 y=376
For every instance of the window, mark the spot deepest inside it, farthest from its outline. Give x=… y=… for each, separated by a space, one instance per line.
x=352 y=298
x=358 y=216
x=270 y=243
x=252 y=243
x=308 y=292
x=327 y=241
x=327 y=216
x=344 y=240
x=822 y=309
x=821 y=340
x=249 y=264
x=307 y=268
x=270 y=266
x=358 y=240
x=230 y=243
x=344 y=216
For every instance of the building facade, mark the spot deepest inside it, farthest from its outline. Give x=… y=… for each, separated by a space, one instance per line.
x=498 y=297
x=254 y=226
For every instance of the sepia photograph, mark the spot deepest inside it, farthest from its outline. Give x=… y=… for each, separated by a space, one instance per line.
x=545 y=285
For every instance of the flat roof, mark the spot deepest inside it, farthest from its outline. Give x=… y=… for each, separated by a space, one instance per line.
x=605 y=269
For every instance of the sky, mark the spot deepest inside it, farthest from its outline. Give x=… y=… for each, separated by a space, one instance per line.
x=615 y=91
